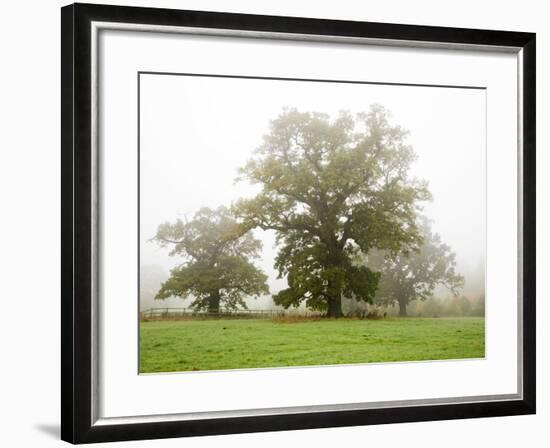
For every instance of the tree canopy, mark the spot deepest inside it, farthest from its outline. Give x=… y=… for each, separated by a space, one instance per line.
x=332 y=188
x=216 y=270
x=414 y=275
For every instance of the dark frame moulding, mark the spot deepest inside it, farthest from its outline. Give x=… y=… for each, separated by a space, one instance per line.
x=76 y=224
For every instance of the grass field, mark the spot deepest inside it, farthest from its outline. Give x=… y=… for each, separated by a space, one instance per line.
x=170 y=346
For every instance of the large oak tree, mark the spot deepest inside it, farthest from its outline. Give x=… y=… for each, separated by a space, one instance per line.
x=216 y=270
x=331 y=189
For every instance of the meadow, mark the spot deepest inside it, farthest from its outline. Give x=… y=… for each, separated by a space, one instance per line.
x=217 y=344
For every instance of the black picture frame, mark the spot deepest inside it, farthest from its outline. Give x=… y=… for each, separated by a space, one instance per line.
x=76 y=219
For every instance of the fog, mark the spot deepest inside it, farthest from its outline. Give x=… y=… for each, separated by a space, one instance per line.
x=195 y=132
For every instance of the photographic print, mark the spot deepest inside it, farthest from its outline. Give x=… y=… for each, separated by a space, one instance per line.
x=309 y=204
x=289 y=222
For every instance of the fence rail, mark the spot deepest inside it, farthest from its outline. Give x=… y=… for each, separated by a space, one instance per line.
x=174 y=313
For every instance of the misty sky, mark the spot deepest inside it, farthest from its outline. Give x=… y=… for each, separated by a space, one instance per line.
x=197 y=131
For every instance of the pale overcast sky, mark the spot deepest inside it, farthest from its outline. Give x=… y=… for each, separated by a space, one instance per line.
x=196 y=132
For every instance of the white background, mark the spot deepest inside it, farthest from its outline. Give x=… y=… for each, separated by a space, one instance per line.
x=29 y=194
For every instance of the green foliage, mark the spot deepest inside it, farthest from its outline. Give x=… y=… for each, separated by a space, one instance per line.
x=332 y=189
x=414 y=275
x=216 y=270
x=236 y=344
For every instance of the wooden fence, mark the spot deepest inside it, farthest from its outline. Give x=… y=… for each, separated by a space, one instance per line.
x=183 y=313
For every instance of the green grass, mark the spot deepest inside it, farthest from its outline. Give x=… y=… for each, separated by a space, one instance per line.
x=170 y=346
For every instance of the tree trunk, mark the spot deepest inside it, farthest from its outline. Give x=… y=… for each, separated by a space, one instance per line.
x=335 y=280
x=334 y=306
x=402 y=308
x=214 y=302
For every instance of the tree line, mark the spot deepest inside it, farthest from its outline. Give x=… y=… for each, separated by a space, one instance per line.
x=346 y=213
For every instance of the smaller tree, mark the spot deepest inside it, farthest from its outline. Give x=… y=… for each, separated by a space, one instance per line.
x=216 y=269
x=414 y=275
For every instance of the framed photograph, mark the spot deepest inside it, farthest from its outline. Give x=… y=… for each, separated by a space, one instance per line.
x=275 y=223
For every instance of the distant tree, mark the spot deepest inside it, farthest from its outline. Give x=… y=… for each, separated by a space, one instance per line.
x=332 y=188
x=414 y=275
x=459 y=306
x=478 y=306
x=151 y=277
x=216 y=270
